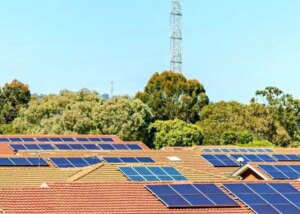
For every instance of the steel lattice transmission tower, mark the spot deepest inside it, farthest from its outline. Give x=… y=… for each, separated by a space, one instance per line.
x=176 y=36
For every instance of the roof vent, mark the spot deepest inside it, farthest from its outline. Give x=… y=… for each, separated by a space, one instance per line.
x=174 y=159
x=44 y=185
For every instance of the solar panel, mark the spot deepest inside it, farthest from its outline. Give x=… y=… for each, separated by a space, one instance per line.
x=253 y=158
x=95 y=139
x=28 y=139
x=63 y=147
x=67 y=139
x=282 y=171
x=76 y=146
x=20 y=161
x=17 y=147
x=120 y=146
x=106 y=147
x=73 y=162
x=134 y=147
x=286 y=157
x=220 y=160
x=43 y=139
x=4 y=140
x=6 y=162
x=129 y=160
x=267 y=198
x=244 y=150
x=55 y=139
x=91 y=146
x=31 y=146
x=37 y=162
x=46 y=147
x=107 y=139
x=141 y=173
x=81 y=139
x=191 y=195
x=15 y=139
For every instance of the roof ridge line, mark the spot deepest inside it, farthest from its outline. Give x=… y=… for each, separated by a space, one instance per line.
x=84 y=172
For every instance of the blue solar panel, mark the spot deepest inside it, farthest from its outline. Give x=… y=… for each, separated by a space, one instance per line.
x=134 y=147
x=6 y=162
x=287 y=157
x=15 y=139
x=63 y=147
x=76 y=146
x=189 y=195
x=4 y=140
x=67 y=139
x=28 y=139
x=106 y=146
x=112 y=160
x=95 y=139
x=32 y=147
x=282 y=171
x=17 y=147
x=20 y=161
x=226 y=150
x=220 y=160
x=43 y=139
x=61 y=163
x=81 y=139
x=37 y=162
x=107 y=139
x=129 y=160
x=253 y=158
x=78 y=162
x=90 y=146
x=145 y=159
x=120 y=146
x=46 y=147
x=266 y=198
x=92 y=160
x=152 y=173
x=55 y=139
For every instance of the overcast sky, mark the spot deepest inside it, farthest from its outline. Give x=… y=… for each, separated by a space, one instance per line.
x=233 y=47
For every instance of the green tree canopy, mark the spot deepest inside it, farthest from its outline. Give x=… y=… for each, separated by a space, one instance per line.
x=85 y=112
x=235 y=117
x=284 y=109
x=13 y=96
x=170 y=95
x=175 y=133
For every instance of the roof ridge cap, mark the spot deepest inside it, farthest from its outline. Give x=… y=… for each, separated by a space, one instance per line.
x=84 y=172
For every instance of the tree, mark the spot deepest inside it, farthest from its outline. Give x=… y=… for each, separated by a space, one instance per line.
x=13 y=96
x=283 y=107
x=85 y=112
x=175 y=133
x=234 y=138
x=232 y=116
x=170 y=95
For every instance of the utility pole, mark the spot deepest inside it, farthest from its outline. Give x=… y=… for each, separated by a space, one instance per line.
x=176 y=36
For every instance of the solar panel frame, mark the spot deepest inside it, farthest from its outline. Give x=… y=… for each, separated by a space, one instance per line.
x=187 y=195
x=274 y=200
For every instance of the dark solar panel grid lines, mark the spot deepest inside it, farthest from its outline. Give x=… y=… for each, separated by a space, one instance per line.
x=220 y=160
x=74 y=162
x=282 y=172
x=55 y=139
x=265 y=198
x=191 y=195
x=128 y=159
x=238 y=150
x=152 y=173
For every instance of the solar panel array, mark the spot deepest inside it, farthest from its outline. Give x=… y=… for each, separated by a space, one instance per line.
x=253 y=158
x=243 y=150
x=220 y=160
x=13 y=161
x=282 y=171
x=129 y=160
x=265 y=198
x=191 y=195
x=152 y=173
x=286 y=157
x=104 y=146
x=74 y=162
x=56 y=139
